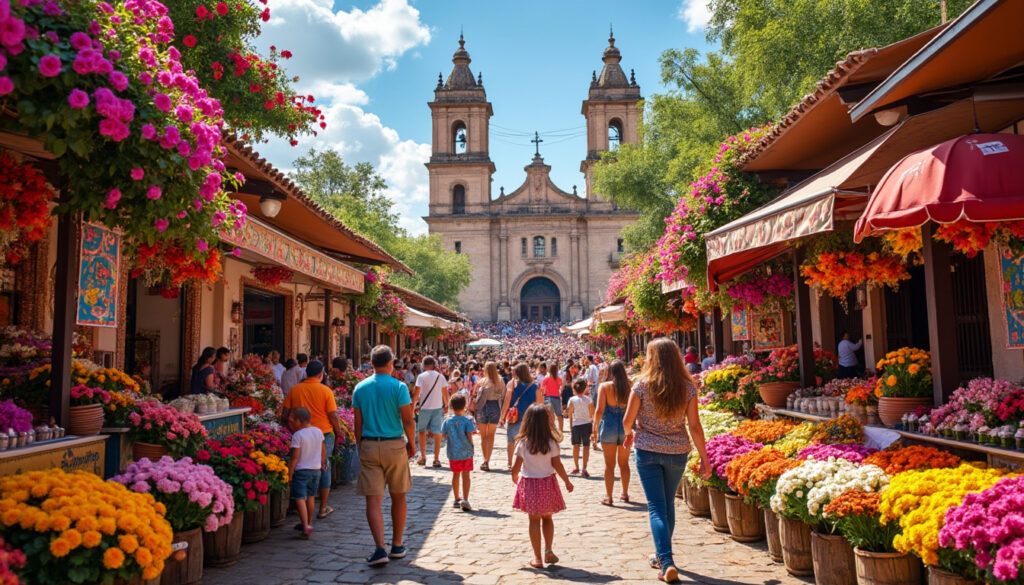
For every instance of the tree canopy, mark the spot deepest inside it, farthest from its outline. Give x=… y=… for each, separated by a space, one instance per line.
x=355 y=194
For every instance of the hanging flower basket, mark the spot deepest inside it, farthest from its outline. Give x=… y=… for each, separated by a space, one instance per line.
x=272 y=275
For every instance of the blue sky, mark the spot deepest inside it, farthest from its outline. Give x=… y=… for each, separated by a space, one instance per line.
x=373 y=65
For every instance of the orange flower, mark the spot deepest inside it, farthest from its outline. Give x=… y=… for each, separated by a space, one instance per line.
x=894 y=461
x=763 y=431
x=855 y=503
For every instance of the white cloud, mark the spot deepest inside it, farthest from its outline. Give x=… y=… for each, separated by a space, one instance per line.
x=334 y=52
x=696 y=13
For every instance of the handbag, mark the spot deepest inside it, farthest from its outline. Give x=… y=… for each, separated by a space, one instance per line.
x=512 y=416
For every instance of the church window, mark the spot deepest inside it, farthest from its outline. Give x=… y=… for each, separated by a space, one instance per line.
x=539 y=247
x=614 y=134
x=619 y=246
x=460 y=139
x=523 y=242
x=554 y=246
x=458 y=247
x=458 y=200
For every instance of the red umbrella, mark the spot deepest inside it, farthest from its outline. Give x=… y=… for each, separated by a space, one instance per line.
x=978 y=177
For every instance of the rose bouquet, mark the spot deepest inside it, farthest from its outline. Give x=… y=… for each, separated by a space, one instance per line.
x=182 y=434
x=192 y=494
x=763 y=431
x=902 y=459
x=918 y=501
x=82 y=529
x=796 y=439
x=723 y=449
x=851 y=452
x=987 y=530
x=904 y=373
x=842 y=429
x=803 y=491
x=235 y=465
x=82 y=395
x=11 y=561
x=855 y=515
x=14 y=417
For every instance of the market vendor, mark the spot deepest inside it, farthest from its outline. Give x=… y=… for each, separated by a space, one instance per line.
x=849 y=365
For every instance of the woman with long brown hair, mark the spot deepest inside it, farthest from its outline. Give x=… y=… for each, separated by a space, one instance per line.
x=520 y=397
x=612 y=397
x=487 y=410
x=663 y=404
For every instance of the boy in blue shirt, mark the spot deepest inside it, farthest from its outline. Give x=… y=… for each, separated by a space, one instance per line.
x=458 y=429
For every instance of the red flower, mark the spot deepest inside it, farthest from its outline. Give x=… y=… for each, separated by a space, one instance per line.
x=286 y=54
x=255 y=87
x=269 y=105
x=190 y=41
x=265 y=15
x=201 y=12
x=222 y=8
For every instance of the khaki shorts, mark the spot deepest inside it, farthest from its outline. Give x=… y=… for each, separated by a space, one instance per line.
x=383 y=464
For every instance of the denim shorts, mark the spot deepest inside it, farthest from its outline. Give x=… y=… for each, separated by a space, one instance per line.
x=490 y=414
x=430 y=420
x=305 y=483
x=610 y=430
x=555 y=402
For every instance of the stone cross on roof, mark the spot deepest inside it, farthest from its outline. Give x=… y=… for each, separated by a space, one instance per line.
x=536 y=141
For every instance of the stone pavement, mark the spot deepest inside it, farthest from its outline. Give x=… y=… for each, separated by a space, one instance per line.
x=491 y=546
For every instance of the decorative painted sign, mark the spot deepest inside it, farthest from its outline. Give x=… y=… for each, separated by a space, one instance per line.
x=766 y=331
x=740 y=331
x=1011 y=268
x=72 y=455
x=97 y=278
x=273 y=245
x=220 y=426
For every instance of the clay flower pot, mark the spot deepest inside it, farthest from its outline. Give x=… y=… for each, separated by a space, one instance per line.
x=85 y=420
x=774 y=394
x=150 y=451
x=892 y=409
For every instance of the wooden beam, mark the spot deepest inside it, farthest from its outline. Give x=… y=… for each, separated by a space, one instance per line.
x=941 y=325
x=65 y=307
x=718 y=335
x=804 y=336
x=328 y=334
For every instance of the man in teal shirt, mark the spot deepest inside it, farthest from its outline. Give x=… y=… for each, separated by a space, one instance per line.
x=384 y=431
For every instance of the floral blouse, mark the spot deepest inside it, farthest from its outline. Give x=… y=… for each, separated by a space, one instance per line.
x=657 y=434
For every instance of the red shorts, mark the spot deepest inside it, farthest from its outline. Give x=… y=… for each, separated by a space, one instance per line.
x=461 y=465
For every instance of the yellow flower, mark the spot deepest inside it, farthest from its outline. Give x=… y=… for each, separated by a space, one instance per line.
x=113 y=558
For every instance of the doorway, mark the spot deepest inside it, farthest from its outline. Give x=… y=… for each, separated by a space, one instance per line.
x=851 y=320
x=540 y=300
x=264 y=322
x=155 y=335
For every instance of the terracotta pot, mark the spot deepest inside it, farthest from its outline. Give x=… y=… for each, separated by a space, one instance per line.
x=774 y=393
x=886 y=568
x=187 y=570
x=719 y=516
x=279 y=503
x=891 y=410
x=697 y=500
x=221 y=548
x=256 y=525
x=771 y=530
x=150 y=451
x=746 y=523
x=833 y=560
x=940 y=577
x=796 y=546
x=85 y=420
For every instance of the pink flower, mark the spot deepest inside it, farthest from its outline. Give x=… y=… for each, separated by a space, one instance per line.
x=113 y=196
x=154 y=192
x=138 y=174
x=50 y=66
x=148 y=131
x=78 y=99
x=118 y=80
x=161 y=224
x=162 y=101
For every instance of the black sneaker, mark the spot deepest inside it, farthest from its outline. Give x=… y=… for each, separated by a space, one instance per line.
x=378 y=558
x=397 y=552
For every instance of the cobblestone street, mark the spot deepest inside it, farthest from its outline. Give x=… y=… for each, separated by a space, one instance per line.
x=490 y=545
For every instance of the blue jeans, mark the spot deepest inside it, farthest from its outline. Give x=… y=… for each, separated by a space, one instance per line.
x=660 y=475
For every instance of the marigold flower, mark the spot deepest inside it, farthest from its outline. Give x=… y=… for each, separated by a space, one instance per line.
x=113 y=558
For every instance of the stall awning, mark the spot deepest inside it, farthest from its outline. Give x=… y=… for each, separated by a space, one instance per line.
x=579 y=327
x=281 y=249
x=415 y=318
x=675 y=285
x=977 y=177
x=610 y=314
x=981 y=43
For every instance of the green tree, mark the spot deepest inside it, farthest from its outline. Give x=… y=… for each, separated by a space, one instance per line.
x=356 y=196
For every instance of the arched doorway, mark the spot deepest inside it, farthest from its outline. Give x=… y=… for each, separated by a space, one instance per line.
x=540 y=300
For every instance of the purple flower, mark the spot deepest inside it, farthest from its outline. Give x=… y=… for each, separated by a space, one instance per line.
x=162 y=101
x=78 y=99
x=49 y=66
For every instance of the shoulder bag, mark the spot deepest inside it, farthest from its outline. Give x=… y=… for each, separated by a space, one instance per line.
x=512 y=416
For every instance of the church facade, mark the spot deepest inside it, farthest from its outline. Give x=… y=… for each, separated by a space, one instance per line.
x=539 y=252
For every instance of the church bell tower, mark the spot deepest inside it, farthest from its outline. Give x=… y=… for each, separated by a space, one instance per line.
x=611 y=111
x=460 y=165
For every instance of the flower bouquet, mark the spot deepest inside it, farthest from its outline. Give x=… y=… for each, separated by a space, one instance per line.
x=192 y=494
x=236 y=466
x=763 y=431
x=842 y=429
x=82 y=529
x=851 y=452
x=855 y=515
x=180 y=433
x=985 y=530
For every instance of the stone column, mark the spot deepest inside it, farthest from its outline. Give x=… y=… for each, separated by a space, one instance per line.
x=504 y=310
x=575 y=306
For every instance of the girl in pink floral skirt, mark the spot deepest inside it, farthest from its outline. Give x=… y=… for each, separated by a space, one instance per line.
x=537 y=492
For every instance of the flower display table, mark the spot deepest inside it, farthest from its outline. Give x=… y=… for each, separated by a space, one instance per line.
x=68 y=453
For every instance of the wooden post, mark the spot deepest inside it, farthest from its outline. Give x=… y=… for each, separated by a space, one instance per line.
x=702 y=335
x=328 y=330
x=804 y=336
x=65 y=307
x=719 y=335
x=350 y=343
x=941 y=325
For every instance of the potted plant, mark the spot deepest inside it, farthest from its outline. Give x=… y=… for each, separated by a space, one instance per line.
x=780 y=377
x=747 y=523
x=13 y=418
x=721 y=450
x=196 y=500
x=85 y=417
x=157 y=430
x=855 y=515
x=904 y=384
x=760 y=487
x=256 y=525
x=273 y=440
x=120 y=535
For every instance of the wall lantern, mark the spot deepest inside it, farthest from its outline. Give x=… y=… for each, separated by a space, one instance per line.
x=236 y=312
x=270 y=205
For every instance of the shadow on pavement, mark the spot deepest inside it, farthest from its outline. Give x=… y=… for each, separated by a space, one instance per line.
x=573 y=574
x=698 y=578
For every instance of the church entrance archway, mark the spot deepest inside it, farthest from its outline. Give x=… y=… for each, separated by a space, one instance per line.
x=540 y=300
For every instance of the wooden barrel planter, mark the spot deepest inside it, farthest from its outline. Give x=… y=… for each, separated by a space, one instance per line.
x=256 y=526
x=746 y=523
x=771 y=530
x=774 y=393
x=150 y=451
x=719 y=516
x=85 y=420
x=221 y=548
x=833 y=560
x=940 y=577
x=796 y=547
x=697 y=500
x=279 y=503
x=185 y=566
x=891 y=410
x=886 y=568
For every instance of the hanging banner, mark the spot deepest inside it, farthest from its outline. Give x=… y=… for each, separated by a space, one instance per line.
x=766 y=331
x=740 y=331
x=1011 y=268
x=97 y=277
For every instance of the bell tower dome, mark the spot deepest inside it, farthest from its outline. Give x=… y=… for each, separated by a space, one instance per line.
x=611 y=110
x=460 y=165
